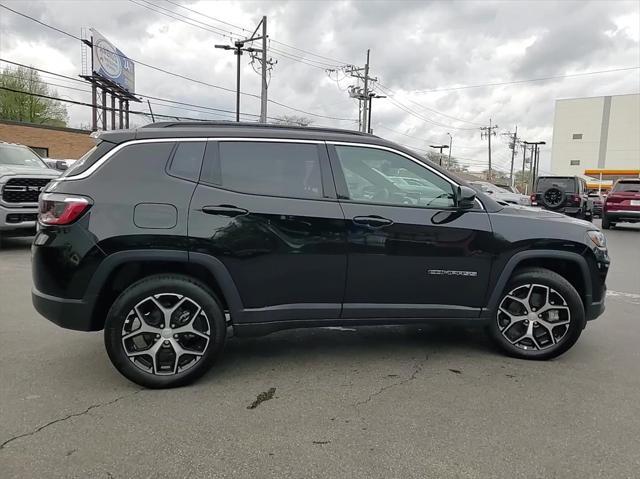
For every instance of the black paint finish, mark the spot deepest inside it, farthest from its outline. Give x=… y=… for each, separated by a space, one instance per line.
x=283 y=262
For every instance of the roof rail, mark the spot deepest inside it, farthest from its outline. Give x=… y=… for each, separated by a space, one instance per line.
x=233 y=124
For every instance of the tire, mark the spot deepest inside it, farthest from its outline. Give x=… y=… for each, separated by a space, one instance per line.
x=555 y=333
x=180 y=355
x=606 y=224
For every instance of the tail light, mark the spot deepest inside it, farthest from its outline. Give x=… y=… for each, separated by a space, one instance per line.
x=575 y=199
x=58 y=209
x=613 y=198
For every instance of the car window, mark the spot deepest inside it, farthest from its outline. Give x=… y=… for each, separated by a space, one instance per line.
x=270 y=168
x=630 y=186
x=565 y=184
x=370 y=175
x=187 y=160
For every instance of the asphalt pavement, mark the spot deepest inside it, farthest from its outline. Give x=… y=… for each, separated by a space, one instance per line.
x=387 y=402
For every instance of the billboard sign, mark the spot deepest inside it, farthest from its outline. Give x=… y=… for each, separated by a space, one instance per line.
x=111 y=64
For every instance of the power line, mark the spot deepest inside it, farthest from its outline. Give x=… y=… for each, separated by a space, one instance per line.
x=390 y=92
x=408 y=110
x=138 y=94
x=223 y=33
x=81 y=103
x=569 y=75
x=177 y=75
x=339 y=62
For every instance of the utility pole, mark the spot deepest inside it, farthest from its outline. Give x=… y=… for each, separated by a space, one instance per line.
x=524 y=154
x=238 y=48
x=513 y=154
x=533 y=165
x=263 y=92
x=450 y=144
x=488 y=132
x=362 y=94
x=366 y=92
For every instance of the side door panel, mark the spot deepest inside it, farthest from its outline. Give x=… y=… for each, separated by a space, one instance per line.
x=425 y=262
x=287 y=256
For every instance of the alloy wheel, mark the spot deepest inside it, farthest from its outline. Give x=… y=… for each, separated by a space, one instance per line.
x=533 y=317
x=166 y=334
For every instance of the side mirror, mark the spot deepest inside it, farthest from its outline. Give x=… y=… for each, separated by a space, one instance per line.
x=465 y=198
x=61 y=165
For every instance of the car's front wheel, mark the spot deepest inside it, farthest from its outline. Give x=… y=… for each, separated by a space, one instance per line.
x=539 y=316
x=164 y=331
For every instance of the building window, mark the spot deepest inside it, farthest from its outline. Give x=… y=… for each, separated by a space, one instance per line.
x=575 y=162
x=577 y=136
x=43 y=152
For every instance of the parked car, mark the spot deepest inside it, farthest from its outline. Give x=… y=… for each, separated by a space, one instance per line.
x=218 y=228
x=23 y=175
x=598 y=201
x=511 y=189
x=563 y=194
x=622 y=203
x=502 y=194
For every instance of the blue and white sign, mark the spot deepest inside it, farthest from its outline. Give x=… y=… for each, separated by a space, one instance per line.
x=111 y=64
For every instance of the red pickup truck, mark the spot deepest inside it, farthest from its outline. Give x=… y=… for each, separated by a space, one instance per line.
x=622 y=204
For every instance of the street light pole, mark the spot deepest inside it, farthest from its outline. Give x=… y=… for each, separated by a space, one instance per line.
x=440 y=147
x=238 y=52
x=371 y=97
x=450 y=143
x=238 y=48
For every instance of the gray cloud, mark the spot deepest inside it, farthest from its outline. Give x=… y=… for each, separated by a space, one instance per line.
x=415 y=45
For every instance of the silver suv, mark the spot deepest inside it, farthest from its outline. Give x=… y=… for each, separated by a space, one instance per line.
x=23 y=175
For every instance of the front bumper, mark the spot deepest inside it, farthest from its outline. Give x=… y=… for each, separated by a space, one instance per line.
x=67 y=313
x=594 y=309
x=17 y=220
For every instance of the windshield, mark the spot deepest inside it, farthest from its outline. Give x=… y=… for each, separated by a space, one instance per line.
x=630 y=186
x=565 y=184
x=20 y=156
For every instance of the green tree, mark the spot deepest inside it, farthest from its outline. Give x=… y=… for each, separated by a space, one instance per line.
x=28 y=108
x=292 y=120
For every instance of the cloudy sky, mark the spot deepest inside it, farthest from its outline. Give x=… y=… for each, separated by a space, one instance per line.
x=424 y=54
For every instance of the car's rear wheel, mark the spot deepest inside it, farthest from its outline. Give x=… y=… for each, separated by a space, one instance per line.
x=539 y=316
x=164 y=331
x=606 y=224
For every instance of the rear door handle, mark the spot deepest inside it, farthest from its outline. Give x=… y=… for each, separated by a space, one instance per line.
x=224 y=210
x=372 y=221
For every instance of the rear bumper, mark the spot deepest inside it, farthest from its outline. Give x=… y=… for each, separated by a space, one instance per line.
x=67 y=313
x=623 y=215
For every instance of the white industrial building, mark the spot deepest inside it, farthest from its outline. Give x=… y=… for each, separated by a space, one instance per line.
x=598 y=133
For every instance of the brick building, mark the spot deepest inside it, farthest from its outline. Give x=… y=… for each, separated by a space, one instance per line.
x=48 y=141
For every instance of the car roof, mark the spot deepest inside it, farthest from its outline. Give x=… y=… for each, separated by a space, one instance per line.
x=628 y=180
x=211 y=129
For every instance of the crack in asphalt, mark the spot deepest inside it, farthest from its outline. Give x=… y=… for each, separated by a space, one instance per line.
x=69 y=416
x=416 y=370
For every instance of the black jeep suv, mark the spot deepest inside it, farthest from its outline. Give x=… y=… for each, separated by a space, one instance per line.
x=564 y=194
x=173 y=236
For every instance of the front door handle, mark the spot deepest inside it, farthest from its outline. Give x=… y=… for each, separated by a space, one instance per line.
x=372 y=221
x=224 y=210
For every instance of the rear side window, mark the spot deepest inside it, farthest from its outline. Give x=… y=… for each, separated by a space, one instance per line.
x=565 y=184
x=270 y=168
x=89 y=158
x=630 y=186
x=187 y=160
